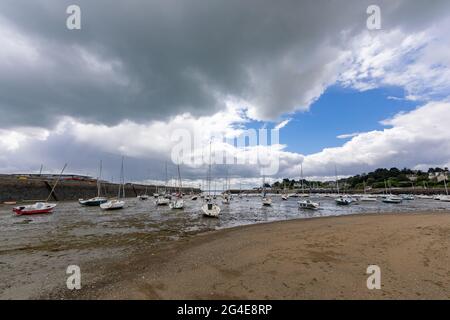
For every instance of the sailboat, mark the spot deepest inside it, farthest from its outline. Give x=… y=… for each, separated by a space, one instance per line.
x=266 y=201
x=144 y=196
x=225 y=195
x=115 y=204
x=209 y=208
x=391 y=198
x=163 y=198
x=178 y=203
x=98 y=200
x=304 y=195
x=367 y=198
x=284 y=196
x=39 y=207
x=306 y=204
x=341 y=200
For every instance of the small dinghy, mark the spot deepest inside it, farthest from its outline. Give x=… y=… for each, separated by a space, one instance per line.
x=194 y=198
x=143 y=197
x=37 y=208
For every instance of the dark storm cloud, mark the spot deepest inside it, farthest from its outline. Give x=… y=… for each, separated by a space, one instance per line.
x=145 y=60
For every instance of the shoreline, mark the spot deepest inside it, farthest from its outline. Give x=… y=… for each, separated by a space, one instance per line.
x=312 y=258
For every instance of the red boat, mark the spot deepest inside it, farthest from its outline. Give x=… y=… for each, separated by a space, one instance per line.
x=37 y=208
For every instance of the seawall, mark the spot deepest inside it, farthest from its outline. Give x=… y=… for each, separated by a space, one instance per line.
x=13 y=189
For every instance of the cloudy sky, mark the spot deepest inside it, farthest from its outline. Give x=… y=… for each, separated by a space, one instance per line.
x=137 y=71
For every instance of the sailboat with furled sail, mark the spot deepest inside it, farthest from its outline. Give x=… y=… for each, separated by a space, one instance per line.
x=306 y=204
x=178 y=203
x=163 y=198
x=209 y=207
x=266 y=200
x=115 y=204
x=98 y=200
x=39 y=207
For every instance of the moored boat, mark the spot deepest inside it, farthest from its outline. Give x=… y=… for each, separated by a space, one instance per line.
x=37 y=208
x=113 y=204
x=308 y=204
x=392 y=199
x=96 y=201
x=211 y=210
x=343 y=200
x=41 y=207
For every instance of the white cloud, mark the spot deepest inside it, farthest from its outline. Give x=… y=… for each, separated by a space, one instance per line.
x=412 y=138
x=348 y=135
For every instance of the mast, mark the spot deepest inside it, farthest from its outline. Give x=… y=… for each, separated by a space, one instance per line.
x=98 y=179
x=209 y=171
x=445 y=184
x=179 y=180
x=301 y=177
x=56 y=183
x=165 y=182
x=123 y=179
x=121 y=184
x=337 y=181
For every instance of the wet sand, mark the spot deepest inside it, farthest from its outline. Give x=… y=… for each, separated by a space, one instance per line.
x=318 y=258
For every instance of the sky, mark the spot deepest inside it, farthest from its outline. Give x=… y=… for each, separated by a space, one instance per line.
x=139 y=72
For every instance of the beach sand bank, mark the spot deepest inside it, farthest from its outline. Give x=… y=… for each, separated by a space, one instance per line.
x=323 y=258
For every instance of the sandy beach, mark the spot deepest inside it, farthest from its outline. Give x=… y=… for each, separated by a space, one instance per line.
x=320 y=258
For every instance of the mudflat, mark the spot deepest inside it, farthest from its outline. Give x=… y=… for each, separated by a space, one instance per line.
x=319 y=258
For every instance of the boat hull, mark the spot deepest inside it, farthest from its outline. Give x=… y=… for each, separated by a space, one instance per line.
x=38 y=208
x=92 y=202
x=211 y=210
x=112 y=205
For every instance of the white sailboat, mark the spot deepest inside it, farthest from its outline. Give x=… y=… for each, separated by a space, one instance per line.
x=284 y=195
x=391 y=198
x=209 y=207
x=144 y=196
x=266 y=200
x=178 y=203
x=304 y=195
x=226 y=197
x=341 y=200
x=39 y=207
x=163 y=197
x=367 y=198
x=98 y=200
x=306 y=204
x=115 y=204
